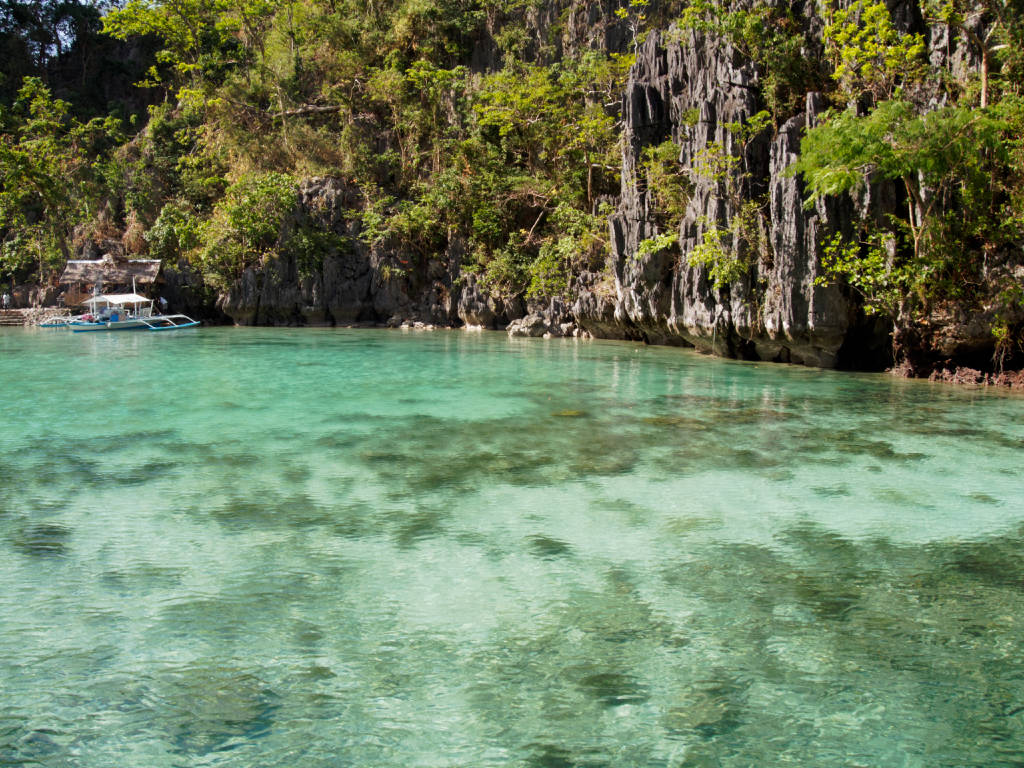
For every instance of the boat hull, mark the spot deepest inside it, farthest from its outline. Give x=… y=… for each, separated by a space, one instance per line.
x=191 y=324
x=152 y=323
x=119 y=325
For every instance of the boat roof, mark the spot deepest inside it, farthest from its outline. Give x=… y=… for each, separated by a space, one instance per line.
x=118 y=298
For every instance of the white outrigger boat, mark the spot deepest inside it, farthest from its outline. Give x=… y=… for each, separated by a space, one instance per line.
x=126 y=312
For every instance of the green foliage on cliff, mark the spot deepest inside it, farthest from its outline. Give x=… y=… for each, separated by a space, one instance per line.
x=729 y=252
x=53 y=170
x=768 y=34
x=960 y=176
x=959 y=170
x=868 y=54
x=669 y=183
x=509 y=158
x=247 y=226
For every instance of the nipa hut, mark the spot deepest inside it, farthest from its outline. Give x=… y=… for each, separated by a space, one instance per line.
x=113 y=275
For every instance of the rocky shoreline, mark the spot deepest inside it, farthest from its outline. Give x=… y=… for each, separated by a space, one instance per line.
x=692 y=90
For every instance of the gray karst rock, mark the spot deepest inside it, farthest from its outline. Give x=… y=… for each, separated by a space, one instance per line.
x=694 y=90
x=475 y=308
x=776 y=311
x=353 y=282
x=534 y=324
x=594 y=304
x=552 y=319
x=479 y=309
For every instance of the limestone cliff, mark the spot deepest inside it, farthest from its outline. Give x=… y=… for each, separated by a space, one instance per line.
x=354 y=283
x=689 y=88
x=775 y=312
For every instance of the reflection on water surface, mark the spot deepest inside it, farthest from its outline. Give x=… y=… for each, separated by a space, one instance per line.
x=366 y=548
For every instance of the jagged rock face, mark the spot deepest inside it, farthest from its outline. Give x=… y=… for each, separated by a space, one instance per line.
x=594 y=306
x=478 y=309
x=355 y=282
x=566 y=27
x=776 y=312
x=800 y=320
x=690 y=88
x=184 y=292
x=781 y=309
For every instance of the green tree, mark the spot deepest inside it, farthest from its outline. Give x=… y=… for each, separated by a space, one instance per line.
x=960 y=176
x=51 y=179
x=247 y=227
x=192 y=33
x=994 y=28
x=869 y=55
x=670 y=184
x=936 y=157
x=634 y=14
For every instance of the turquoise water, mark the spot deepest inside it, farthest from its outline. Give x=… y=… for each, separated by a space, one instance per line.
x=269 y=547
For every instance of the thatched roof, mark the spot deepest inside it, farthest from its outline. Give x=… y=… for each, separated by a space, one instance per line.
x=112 y=271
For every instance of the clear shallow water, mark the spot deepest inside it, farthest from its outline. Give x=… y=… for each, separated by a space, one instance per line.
x=245 y=547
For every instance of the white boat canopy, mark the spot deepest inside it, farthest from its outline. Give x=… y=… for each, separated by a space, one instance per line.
x=119 y=298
